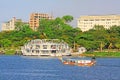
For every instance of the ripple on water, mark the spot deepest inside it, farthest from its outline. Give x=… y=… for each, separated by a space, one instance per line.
x=19 y=68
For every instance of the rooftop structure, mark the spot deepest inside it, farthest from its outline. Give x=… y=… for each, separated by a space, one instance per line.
x=86 y=23
x=35 y=18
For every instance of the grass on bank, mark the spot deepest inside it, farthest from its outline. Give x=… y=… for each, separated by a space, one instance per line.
x=104 y=54
x=8 y=51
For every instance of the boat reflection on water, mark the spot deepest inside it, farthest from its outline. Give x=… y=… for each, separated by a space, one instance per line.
x=79 y=61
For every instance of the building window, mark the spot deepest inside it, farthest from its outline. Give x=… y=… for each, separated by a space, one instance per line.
x=96 y=19
x=91 y=20
x=102 y=19
x=35 y=16
x=108 y=19
x=85 y=20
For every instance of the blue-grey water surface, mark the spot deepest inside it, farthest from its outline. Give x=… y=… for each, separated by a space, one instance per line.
x=24 y=68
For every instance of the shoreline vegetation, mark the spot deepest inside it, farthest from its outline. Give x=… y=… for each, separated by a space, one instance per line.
x=100 y=54
x=87 y=54
x=96 y=39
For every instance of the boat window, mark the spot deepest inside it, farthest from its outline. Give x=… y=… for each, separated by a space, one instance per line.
x=53 y=46
x=32 y=51
x=45 y=51
x=53 y=51
x=37 y=46
x=44 y=46
x=27 y=50
x=37 y=51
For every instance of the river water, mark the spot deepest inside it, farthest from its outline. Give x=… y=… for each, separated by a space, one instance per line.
x=25 y=68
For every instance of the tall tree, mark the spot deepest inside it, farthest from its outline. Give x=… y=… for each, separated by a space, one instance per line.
x=67 y=18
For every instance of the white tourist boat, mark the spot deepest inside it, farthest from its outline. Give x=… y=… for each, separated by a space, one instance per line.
x=46 y=47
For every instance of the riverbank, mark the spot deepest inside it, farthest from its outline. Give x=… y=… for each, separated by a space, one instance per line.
x=87 y=54
x=103 y=54
x=9 y=51
x=100 y=54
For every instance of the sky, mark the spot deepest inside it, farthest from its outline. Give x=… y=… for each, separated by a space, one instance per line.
x=21 y=9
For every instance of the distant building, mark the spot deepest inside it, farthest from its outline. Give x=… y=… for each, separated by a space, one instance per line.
x=35 y=18
x=10 y=25
x=86 y=23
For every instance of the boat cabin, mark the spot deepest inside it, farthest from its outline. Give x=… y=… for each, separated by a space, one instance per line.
x=46 y=47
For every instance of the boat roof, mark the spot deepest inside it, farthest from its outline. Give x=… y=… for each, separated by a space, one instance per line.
x=78 y=59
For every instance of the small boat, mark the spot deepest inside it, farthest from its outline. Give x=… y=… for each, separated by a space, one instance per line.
x=79 y=62
x=69 y=62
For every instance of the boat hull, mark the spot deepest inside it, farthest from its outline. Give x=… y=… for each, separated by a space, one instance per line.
x=79 y=62
x=69 y=63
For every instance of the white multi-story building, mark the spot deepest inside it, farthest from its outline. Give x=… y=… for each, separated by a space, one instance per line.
x=86 y=23
x=10 y=25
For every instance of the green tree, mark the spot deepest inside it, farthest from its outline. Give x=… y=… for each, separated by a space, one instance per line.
x=67 y=18
x=18 y=25
x=117 y=45
x=5 y=43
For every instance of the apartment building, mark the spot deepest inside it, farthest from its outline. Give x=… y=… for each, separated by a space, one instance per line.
x=10 y=25
x=35 y=19
x=86 y=23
